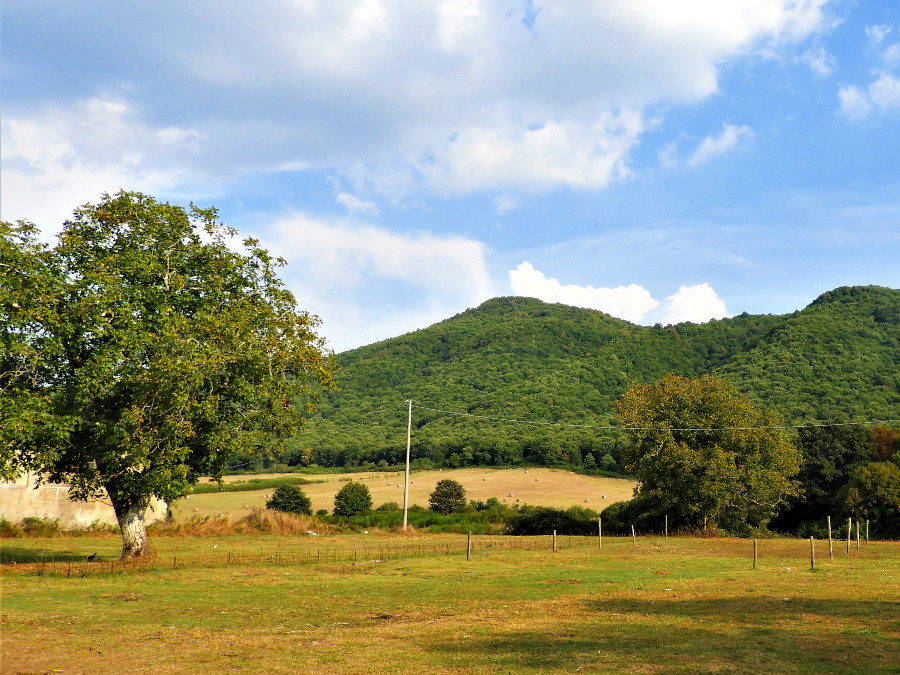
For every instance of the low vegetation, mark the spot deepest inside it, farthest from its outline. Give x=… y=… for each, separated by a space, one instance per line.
x=239 y=603
x=249 y=485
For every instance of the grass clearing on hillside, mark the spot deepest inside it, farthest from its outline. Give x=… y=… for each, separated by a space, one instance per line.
x=682 y=605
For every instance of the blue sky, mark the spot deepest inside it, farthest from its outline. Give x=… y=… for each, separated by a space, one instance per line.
x=658 y=161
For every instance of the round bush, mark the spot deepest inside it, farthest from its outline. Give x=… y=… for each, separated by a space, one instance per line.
x=290 y=499
x=352 y=500
x=448 y=496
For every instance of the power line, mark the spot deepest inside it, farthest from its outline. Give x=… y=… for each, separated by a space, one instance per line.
x=621 y=428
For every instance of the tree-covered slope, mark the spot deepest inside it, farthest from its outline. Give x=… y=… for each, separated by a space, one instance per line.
x=525 y=359
x=837 y=359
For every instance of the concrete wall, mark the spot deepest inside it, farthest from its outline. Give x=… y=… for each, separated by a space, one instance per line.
x=23 y=499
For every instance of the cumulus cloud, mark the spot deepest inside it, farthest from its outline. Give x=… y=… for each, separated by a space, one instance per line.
x=68 y=155
x=712 y=146
x=448 y=97
x=881 y=96
x=633 y=302
x=368 y=283
x=697 y=304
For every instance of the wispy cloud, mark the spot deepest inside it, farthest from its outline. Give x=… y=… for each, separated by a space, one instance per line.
x=712 y=146
x=354 y=204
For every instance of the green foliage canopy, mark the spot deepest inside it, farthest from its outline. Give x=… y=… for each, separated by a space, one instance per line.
x=873 y=493
x=448 y=495
x=290 y=499
x=352 y=500
x=30 y=290
x=706 y=453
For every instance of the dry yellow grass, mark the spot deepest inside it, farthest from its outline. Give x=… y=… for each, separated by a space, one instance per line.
x=538 y=487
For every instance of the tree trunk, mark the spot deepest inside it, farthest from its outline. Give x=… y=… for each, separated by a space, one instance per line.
x=134 y=530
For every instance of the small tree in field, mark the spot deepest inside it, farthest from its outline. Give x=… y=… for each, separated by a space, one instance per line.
x=448 y=496
x=290 y=499
x=705 y=453
x=151 y=353
x=352 y=500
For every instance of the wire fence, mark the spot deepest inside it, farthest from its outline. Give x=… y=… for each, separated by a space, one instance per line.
x=364 y=554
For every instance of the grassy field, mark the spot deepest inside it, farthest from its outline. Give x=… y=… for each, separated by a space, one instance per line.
x=682 y=605
x=538 y=487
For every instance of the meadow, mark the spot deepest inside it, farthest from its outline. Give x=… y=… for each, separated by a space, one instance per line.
x=414 y=603
x=534 y=486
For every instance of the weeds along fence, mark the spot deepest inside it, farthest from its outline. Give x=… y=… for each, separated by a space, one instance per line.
x=314 y=553
x=362 y=554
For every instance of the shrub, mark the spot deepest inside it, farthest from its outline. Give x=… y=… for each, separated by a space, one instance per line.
x=645 y=512
x=448 y=496
x=389 y=507
x=873 y=492
x=352 y=500
x=544 y=520
x=290 y=499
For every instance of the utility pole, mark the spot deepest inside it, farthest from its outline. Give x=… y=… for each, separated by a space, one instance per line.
x=406 y=479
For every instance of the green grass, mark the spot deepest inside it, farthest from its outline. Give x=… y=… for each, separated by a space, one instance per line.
x=251 y=484
x=686 y=605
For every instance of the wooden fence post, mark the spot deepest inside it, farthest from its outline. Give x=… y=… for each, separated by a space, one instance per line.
x=633 y=535
x=469 y=546
x=599 y=533
x=666 y=533
x=867 y=531
x=857 y=534
x=830 y=549
x=554 y=541
x=849 y=532
x=812 y=555
x=754 y=554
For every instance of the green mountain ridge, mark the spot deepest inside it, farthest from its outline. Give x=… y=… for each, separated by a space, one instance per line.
x=521 y=358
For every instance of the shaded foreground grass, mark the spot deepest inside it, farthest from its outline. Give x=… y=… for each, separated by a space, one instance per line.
x=685 y=605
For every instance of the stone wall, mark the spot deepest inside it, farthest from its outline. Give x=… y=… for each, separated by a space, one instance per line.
x=24 y=498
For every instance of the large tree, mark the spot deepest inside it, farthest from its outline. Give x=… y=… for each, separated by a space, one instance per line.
x=178 y=349
x=705 y=454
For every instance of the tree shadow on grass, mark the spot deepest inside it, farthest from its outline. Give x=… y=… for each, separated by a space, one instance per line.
x=741 y=634
x=19 y=555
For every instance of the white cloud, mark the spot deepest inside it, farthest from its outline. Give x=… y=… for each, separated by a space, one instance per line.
x=712 y=146
x=368 y=283
x=66 y=156
x=504 y=203
x=697 y=304
x=881 y=96
x=356 y=205
x=668 y=156
x=448 y=97
x=633 y=302
x=819 y=61
x=855 y=103
x=877 y=34
x=891 y=54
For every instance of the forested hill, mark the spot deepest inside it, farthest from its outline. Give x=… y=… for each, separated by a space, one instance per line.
x=839 y=358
